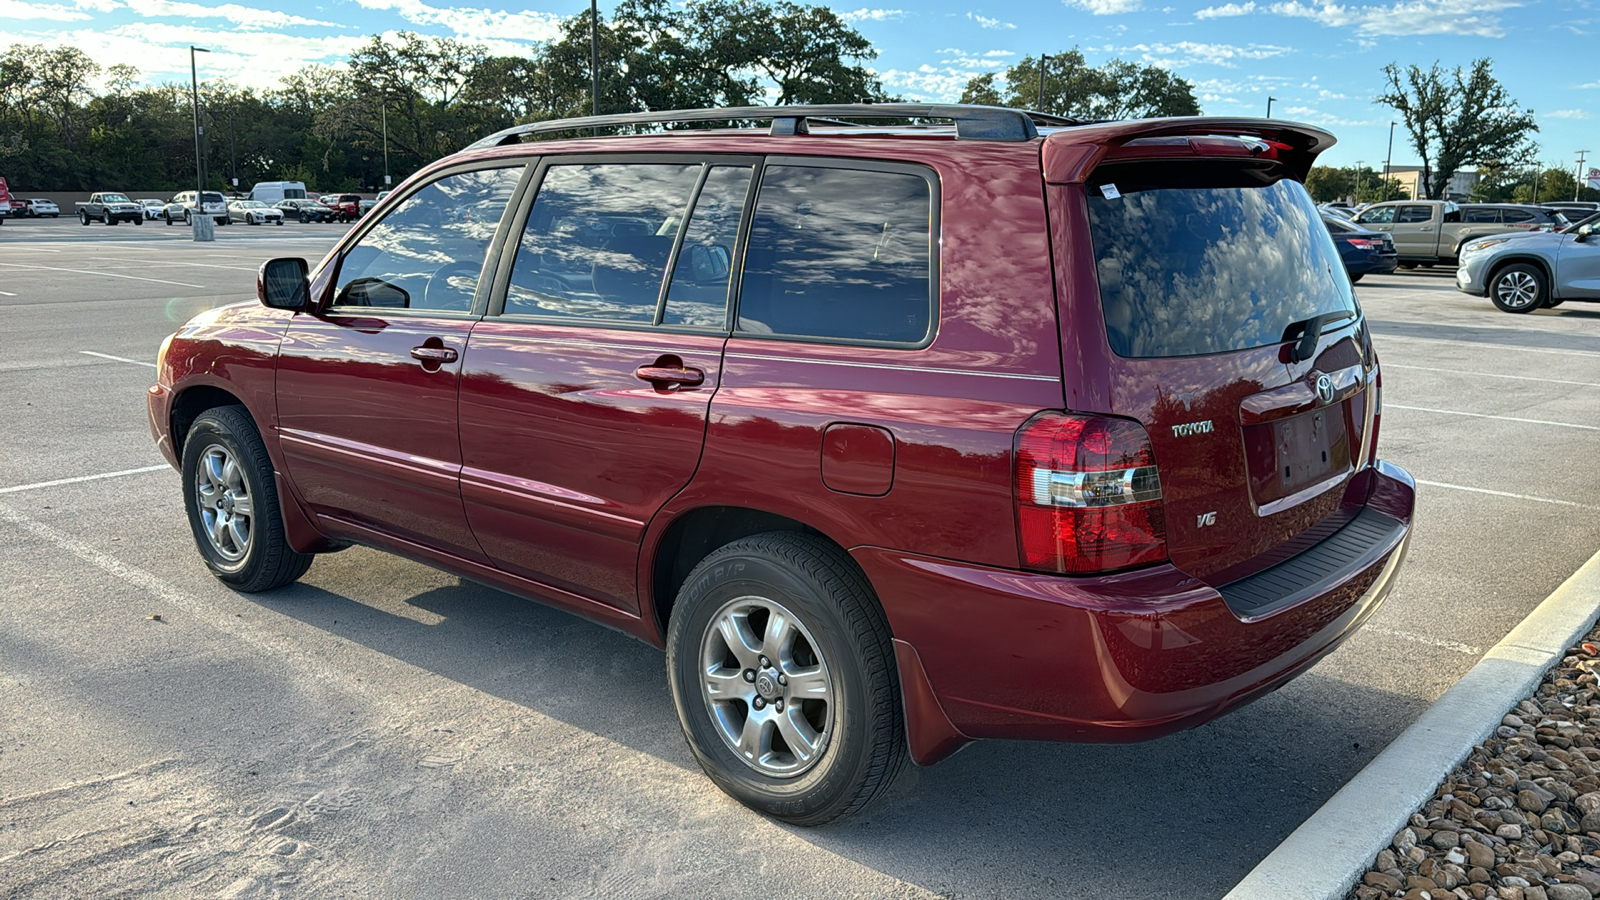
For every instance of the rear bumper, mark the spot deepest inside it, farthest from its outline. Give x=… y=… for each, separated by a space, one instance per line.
x=1127 y=657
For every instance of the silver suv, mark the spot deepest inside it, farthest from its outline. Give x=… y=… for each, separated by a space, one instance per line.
x=1522 y=273
x=211 y=204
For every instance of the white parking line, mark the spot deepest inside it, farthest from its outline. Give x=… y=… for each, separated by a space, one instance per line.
x=1478 y=490
x=137 y=362
x=1457 y=412
x=106 y=274
x=1424 y=639
x=60 y=481
x=1382 y=336
x=1491 y=375
x=168 y=265
x=8 y=293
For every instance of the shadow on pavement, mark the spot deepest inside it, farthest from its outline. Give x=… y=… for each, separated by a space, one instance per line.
x=1184 y=816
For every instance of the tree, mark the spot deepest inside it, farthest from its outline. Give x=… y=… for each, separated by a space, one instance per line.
x=1327 y=184
x=1457 y=119
x=1116 y=90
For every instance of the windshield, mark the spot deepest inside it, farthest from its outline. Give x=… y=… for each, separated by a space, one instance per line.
x=114 y=198
x=1209 y=257
x=209 y=197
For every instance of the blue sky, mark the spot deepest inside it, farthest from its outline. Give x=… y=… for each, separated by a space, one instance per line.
x=1321 y=60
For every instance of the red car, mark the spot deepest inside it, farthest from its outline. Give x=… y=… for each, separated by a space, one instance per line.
x=893 y=437
x=345 y=207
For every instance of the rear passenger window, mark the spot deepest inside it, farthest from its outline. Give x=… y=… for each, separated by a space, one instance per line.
x=598 y=240
x=1516 y=215
x=841 y=254
x=1414 y=214
x=1480 y=216
x=704 y=266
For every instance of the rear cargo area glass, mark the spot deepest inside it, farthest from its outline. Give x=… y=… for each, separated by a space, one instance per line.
x=1209 y=257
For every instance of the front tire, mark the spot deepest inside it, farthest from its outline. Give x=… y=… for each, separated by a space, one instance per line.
x=231 y=497
x=83 y=217
x=783 y=673
x=1518 y=288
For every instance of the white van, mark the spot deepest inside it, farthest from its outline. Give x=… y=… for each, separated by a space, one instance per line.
x=270 y=192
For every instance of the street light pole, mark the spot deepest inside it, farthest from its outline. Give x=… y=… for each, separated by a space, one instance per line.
x=1386 y=160
x=1358 y=180
x=1536 y=170
x=383 y=111
x=1269 y=106
x=201 y=232
x=1578 y=191
x=1043 y=61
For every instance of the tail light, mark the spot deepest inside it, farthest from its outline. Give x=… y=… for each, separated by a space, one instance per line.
x=1088 y=495
x=1364 y=243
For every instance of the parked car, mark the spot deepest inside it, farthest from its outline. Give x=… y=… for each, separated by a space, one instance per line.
x=5 y=199
x=791 y=403
x=1364 y=251
x=18 y=208
x=346 y=207
x=40 y=207
x=110 y=208
x=182 y=207
x=152 y=207
x=1429 y=232
x=1534 y=271
x=254 y=212
x=304 y=211
x=1574 y=209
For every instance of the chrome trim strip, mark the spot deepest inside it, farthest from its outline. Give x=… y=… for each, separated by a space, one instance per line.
x=866 y=365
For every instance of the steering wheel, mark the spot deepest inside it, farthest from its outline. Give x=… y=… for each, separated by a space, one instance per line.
x=435 y=293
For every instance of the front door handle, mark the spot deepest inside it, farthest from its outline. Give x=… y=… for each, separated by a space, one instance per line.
x=662 y=375
x=433 y=354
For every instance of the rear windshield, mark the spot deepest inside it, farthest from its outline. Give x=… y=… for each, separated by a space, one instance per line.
x=209 y=197
x=1203 y=258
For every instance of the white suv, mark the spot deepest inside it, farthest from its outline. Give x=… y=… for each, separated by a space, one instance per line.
x=182 y=206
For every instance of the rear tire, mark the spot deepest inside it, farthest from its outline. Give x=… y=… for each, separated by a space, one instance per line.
x=1356 y=278
x=785 y=618
x=231 y=497
x=1518 y=288
x=83 y=217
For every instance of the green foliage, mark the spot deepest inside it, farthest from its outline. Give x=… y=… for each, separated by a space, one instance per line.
x=1073 y=88
x=1328 y=183
x=1456 y=119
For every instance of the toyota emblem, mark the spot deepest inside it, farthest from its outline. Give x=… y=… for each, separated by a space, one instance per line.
x=1324 y=389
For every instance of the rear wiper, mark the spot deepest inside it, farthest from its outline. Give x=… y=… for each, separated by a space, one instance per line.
x=1310 y=330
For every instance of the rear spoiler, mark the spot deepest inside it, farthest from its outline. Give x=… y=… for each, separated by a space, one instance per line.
x=1070 y=154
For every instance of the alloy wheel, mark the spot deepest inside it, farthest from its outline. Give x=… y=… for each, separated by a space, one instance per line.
x=226 y=508
x=1517 y=289
x=766 y=687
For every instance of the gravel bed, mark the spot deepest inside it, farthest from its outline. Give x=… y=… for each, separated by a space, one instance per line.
x=1520 y=818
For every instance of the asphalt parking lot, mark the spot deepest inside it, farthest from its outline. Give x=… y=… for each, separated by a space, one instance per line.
x=384 y=729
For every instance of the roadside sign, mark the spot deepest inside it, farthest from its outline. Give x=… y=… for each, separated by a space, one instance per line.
x=1594 y=179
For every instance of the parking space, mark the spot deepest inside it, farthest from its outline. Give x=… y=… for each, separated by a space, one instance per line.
x=385 y=729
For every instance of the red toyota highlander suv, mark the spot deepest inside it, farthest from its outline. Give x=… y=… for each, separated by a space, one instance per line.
x=894 y=437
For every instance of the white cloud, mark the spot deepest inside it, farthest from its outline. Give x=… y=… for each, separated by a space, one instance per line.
x=1105 y=7
x=872 y=15
x=486 y=26
x=987 y=22
x=244 y=16
x=257 y=59
x=1188 y=53
x=1312 y=116
x=1409 y=17
x=1226 y=10
x=1592 y=84
x=1568 y=114
x=18 y=9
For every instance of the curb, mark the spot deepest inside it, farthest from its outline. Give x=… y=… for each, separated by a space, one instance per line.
x=1325 y=857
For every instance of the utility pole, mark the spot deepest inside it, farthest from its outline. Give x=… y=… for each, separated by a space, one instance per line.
x=201 y=224
x=233 y=152
x=1386 y=160
x=1536 y=171
x=1578 y=191
x=594 y=56
x=1269 y=106
x=1043 y=61
x=383 y=111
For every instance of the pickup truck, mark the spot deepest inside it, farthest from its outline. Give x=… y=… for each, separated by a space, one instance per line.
x=1429 y=232
x=109 y=207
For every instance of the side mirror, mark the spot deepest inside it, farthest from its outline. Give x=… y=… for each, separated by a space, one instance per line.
x=282 y=284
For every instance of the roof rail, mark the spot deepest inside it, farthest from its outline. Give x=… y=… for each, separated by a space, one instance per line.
x=979 y=123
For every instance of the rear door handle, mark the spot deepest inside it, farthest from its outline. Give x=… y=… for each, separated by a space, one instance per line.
x=433 y=354
x=659 y=375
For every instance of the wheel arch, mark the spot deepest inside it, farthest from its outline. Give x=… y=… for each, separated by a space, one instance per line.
x=1500 y=265
x=189 y=403
x=694 y=534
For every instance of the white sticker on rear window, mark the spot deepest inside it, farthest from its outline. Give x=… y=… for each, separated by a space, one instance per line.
x=1110 y=191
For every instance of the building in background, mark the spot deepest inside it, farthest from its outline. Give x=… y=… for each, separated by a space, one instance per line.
x=1410 y=177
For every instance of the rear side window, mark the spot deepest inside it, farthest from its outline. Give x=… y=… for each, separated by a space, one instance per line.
x=598 y=240
x=1480 y=216
x=840 y=254
x=1209 y=258
x=1516 y=215
x=1413 y=214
